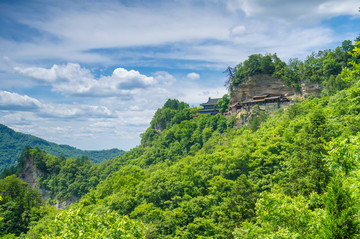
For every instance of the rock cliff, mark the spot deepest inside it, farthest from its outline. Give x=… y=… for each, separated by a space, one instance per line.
x=310 y=88
x=29 y=173
x=265 y=84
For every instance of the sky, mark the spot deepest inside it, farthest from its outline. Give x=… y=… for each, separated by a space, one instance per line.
x=91 y=73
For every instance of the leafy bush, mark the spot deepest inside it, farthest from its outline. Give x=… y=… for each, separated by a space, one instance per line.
x=74 y=224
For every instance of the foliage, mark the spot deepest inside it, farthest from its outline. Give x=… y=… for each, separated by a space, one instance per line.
x=324 y=67
x=352 y=73
x=341 y=199
x=223 y=104
x=78 y=224
x=257 y=116
x=19 y=205
x=333 y=214
x=293 y=175
x=256 y=64
x=281 y=216
x=343 y=155
x=64 y=178
x=173 y=112
x=203 y=178
x=341 y=214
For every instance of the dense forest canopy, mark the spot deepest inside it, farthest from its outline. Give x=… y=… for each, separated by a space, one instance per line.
x=293 y=175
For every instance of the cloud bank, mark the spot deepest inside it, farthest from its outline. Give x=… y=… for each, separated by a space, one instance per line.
x=228 y=27
x=92 y=73
x=73 y=80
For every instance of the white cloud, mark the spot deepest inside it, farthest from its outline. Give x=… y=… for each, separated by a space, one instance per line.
x=193 y=76
x=48 y=75
x=174 y=23
x=196 y=94
x=202 y=37
x=250 y=8
x=345 y=7
x=111 y=24
x=131 y=79
x=15 y=102
x=105 y=122
x=164 y=78
x=302 y=12
x=237 y=31
x=72 y=79
x=75 y=111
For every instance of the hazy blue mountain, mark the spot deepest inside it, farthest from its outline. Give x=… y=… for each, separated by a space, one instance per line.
x=12 y=143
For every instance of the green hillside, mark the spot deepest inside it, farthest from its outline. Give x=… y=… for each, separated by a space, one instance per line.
x=12 y=143
x=291 y=175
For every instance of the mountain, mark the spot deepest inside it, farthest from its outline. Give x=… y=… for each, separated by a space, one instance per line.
x=290 y=173
x=12 y=143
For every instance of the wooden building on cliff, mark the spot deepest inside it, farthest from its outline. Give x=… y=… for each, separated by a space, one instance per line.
x=259 y=100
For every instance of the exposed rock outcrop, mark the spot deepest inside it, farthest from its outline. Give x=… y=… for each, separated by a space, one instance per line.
x=66 y=203
x=29 y=173
x=265 y=84
x=310 y=88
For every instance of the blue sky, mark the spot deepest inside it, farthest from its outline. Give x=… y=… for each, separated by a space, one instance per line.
x=91 y=73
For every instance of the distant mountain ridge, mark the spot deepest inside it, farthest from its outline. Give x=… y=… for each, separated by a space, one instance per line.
x=12 y=143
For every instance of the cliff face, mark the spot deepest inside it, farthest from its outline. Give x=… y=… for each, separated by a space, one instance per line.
x=309 y=88
x=29 y=173
x=265 y=84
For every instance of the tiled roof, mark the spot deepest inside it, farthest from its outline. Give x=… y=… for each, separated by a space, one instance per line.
x=259 y=100
x=212 y=101
x=261 y=96
x=272 y=98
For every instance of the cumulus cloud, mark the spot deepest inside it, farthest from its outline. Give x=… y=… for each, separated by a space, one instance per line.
x=203 y=36
x=15 y=102
x=305 y=10
x=130 y=79
x=237 y=31
x=346 y=7
x=196 y=94
x=164 y=78
x=193 y=76
x=72 y=79
x=75 y=111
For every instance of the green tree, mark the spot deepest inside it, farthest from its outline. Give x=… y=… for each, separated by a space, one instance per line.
x=352 y=74
x=223 y=104
x=18 y=205
x=75 y=224
x=280 y=216
x=342 y=195
x=341 y=214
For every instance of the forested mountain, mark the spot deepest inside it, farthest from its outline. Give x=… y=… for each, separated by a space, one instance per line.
x=292 y=175
x=12 y=143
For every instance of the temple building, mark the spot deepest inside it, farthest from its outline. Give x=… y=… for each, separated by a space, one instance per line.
x=210 y=107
